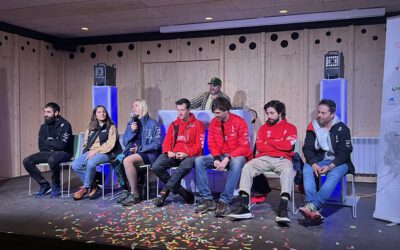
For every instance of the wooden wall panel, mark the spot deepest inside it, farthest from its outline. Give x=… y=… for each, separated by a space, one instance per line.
x=52 y=75
x=9 y=107
x=159 y=51
x=31 y=109
x=78 y=80
x=199 y=48
x=162 y=88
x=369 y=55
x=286 y=75
x=243 y=71
x=7 y=44
x=126 y=58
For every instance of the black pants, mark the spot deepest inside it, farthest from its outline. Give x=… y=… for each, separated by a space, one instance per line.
x=53 y=159
x=173 y=182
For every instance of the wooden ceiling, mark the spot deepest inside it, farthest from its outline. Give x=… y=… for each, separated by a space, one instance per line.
x=64 y=18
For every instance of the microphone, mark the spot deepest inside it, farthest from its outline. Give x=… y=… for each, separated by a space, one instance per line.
x=135 y=118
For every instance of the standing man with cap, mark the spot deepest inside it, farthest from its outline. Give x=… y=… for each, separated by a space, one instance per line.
x=205 y=100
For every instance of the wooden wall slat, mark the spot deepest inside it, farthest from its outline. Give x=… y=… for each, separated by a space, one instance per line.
x=30 y=95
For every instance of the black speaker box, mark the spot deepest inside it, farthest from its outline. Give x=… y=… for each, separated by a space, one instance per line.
x=104 y=75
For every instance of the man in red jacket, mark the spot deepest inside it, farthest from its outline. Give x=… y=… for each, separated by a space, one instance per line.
x=229 y=145
x=275 y=145
x=183 y=142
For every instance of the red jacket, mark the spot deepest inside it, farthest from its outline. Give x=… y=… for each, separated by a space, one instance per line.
x=236 y=141
x=276 y=140
x=190 y=138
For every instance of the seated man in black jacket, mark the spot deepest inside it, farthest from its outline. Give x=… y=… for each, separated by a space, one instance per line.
x=55 y=146
x=327 y=150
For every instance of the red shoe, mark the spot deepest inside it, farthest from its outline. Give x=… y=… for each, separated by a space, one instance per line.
x=258 y=198
x=314 y=216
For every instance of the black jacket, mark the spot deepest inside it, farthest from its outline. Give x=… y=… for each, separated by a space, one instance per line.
x=341 y=144
x=56 y=136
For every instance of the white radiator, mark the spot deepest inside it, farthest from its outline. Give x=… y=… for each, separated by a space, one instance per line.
x=365 y=154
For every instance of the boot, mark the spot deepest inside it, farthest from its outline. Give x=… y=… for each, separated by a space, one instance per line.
x=187 y=196
x=159 y=201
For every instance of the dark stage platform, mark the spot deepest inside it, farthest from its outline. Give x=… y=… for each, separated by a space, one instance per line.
x=63 y=223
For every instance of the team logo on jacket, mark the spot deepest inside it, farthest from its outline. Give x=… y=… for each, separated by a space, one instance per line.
x=181 y=138
x=269 y=133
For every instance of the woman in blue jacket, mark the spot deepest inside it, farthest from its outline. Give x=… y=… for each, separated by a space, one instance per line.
x=142 y=140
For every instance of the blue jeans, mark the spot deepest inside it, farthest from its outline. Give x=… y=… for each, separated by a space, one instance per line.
x=332 y=179
x=203 y=163
x=86 y=169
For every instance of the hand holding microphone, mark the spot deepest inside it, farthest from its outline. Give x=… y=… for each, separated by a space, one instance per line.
x=135 y=122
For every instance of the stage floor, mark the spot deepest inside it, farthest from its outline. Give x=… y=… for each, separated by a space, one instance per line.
x=176 y=226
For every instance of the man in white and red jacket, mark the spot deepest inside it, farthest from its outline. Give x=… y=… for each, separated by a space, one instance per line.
x=275 y=145
x=229 y=145
x=183 y=142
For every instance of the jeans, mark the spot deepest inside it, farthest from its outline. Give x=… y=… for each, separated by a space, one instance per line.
x=173 y=182
x=332 y=179
x=86 y=169
x=203 y=163
x=53 y=158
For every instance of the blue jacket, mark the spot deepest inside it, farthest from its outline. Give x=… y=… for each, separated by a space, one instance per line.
x=151 y=137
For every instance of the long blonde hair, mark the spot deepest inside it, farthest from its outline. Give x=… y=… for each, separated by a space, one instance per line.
x=144 y=109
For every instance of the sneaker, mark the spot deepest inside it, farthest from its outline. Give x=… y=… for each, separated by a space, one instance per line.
x=310 y=212
x=160 y=201
x=44 y=190
x=80 y=194
x=221 y=209
x=283 y=212
x=241 y=212
x=204 y=206
x=125 y=194
x=55 y=191
x=95 y=192
x=187 y=196
x=258 y=198
x=130 y=200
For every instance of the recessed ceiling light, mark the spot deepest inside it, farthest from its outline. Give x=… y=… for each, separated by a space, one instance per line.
x=283 y=11
x=85 y=28
x=209 y=18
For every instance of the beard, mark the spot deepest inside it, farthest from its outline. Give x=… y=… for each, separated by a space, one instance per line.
x=273 y=121
x=50 y=120
x=322 y=123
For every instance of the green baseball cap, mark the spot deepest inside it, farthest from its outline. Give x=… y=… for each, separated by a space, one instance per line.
x=215 y=81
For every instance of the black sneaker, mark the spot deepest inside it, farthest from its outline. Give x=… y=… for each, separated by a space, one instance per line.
x=55 y=191
x=95 y=193
x=160 y=201
x=221 y=209
x=187 y=196
x=44 y=190
x=241 y=212
x=125 y=194
x=283 y=212
x=204 y=206
x=130 y=200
